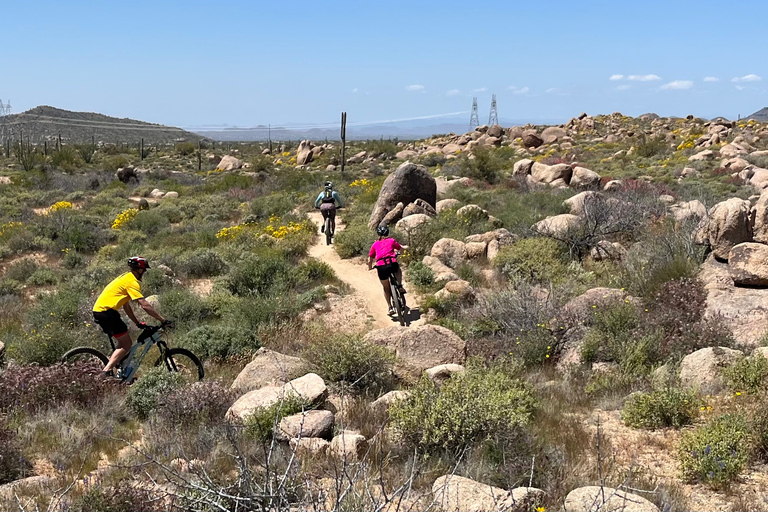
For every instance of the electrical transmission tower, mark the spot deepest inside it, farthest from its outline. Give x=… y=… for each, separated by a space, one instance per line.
x=5 y=109
x=493 y=117
x=474 y=120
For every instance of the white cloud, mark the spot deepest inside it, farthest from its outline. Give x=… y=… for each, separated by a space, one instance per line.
x=677 y=85
x=624 y=87
x=481 y=89
x=644 y=78
x=519 y=90
x=415 y=87
x=616 y=77
x=711 y=79
x=552 y=90
x=746 y=78
x=740 y=87
x=354 y=91
x=452 y=92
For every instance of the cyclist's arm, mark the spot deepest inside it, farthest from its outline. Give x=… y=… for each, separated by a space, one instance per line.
x=337 y=197
x=129 y=311
x=149 y=309
x=319 y=198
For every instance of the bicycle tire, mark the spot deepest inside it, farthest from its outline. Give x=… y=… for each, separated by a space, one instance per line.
x=328 y=234
x=397 y=302
x=71 y=355
x=173 y=362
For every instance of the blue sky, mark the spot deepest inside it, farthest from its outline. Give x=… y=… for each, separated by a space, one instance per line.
x=242 y=63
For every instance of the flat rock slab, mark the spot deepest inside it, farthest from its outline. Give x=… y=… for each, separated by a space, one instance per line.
x=309 y=388
x=318 y=424
x=605 y=499
x=267 y=368
x=454 y=493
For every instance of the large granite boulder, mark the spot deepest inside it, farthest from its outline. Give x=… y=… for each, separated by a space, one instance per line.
x=267 y=368
x=727 y=224
x=229 y=163
x=557 y=226
x=748 y=264
x=702 y=370
x=544 y=173
x=453 y=493
x=450 y=252
x=407 y=184
x=310 y=389
x=594 y=498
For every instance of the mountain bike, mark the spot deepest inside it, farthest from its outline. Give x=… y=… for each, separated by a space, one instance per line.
x=327 y=228
x=397 y=299
x=174 y=359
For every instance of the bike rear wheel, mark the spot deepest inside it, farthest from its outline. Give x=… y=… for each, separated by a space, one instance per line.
x=397 y=302
x=183 y=361
x=84 y=354
x=328 y=234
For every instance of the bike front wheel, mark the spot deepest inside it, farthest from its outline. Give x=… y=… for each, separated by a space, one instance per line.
x=182 y=361
x=328 y=234
x=84 y=354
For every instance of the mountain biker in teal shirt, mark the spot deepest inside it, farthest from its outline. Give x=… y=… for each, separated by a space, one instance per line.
x=327 y=201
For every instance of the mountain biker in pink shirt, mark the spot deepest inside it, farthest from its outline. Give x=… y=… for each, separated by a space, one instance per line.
x=383 y=254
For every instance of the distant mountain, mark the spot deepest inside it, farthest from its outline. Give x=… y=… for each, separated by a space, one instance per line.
x=761 y=115
x=47 y=123
x=403 y=130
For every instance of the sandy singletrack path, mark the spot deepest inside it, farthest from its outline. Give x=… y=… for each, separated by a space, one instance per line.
x=364 y=283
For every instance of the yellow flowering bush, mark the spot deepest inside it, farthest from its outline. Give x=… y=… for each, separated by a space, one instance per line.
x=230 y=233
x=61 y=205
x=124 y=218
x=360 y=183
x=9 y=227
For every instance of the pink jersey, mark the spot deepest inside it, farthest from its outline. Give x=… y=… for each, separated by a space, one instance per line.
x=384 y=249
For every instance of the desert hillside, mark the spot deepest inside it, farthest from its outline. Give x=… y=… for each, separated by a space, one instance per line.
x=586 y=323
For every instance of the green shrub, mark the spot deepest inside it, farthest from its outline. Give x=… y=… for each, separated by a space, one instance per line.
x=312 y=272
x=150 y=388
x=185 y=306
x=185 y=148
x=538 y=259
x=150 y=222
x=203 y=263
x=21 y=270
x=747 y=374
x=126 y=497
x=355 y=240
x=349 y=359
x=277 y=204
x=470 y=407
x=260 y=274
x=13 y=465
x=113 y=163
x=421 y=275
x=195 y=404
x=43 y=276
x=10 y=287
x=220 y=341
x=717 y=452
x=67 y=158
x=660 y=409
x=261 y=423
x=649 y=147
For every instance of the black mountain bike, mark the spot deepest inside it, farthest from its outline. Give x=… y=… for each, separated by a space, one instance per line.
x=174 y=359
x=327 y=229
x=397 y=299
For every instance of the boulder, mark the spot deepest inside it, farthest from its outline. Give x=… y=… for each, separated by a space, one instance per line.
x=748 y=264
x=127 y=174
x=758 y=178
x=577 y=203
x=552 y=134
x=411 y=222
x=471 y=211
x=267 y=368
x=606 y=499
x=305 y=424
x=436 y=265
x=407 y=184
x=304 y=154
x=500 y=234
x=544 y=173
x=760 y=219
x=734 y=164
x=701 y=370
x=171 y=195
x=349 y=445
x=614 y=186
x=456 y=289
x=450 y=252
x=309 y=446
x=584 y=178
x=394 y=215
x=731 y=150
x=688 y=211
x=495 y=131
x=419 y=206
x=453 y=493
x=727 y=224
x=610 y=251
x=447 y=204
x=442 y=372
x=382 y=404
x=309 y=388
x=317 y=151
x=406 y=154
x=357 y=158
x=451 y=149
x=522 y=167
x=420 y=347
x=689 y=172
x=476 y=250
x=229 y=163
x=557 y=226
x=580 y=310
x=702 y=156
x=531 y=140
x=493 y=250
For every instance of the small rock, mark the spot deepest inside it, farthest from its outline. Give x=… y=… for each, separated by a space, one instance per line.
x=441 y=373
x=349 y=445
x=309 y=446
x=447 y=204
x=605 y=499
x=381 y=405
x=305 y=424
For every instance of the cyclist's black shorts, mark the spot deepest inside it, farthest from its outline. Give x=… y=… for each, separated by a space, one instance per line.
x=110 y=322
x=385 y=271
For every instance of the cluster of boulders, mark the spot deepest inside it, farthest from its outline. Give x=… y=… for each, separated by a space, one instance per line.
x=736 y=231
x=130 y=173
x=410 y=190
x=271 y=378
x=558 y=175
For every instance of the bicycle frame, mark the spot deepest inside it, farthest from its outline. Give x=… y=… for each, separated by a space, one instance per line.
x=126 y=364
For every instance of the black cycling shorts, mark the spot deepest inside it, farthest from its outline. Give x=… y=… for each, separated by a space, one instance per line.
x=110 y=322
x=385 y=271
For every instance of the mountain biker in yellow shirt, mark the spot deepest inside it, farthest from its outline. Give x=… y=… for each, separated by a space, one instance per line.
x=118 y=294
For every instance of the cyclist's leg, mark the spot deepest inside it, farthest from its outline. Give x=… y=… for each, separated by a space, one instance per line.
x=383 y=271
x=324 y=212
x=332 y=215
x=124 y=343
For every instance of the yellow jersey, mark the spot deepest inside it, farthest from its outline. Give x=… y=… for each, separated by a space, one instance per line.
x=119 y=292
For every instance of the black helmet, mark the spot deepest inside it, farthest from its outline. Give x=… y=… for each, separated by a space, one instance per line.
x=382 y=230
x=328 y=185
x=137 y=262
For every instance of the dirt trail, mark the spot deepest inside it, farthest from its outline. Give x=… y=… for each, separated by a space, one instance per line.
x=363 y=282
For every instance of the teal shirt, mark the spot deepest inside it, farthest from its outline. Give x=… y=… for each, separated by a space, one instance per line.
x=335 y=196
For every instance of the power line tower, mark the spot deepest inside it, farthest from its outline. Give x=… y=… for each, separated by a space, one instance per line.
x=474 y=120
x=493 y=117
